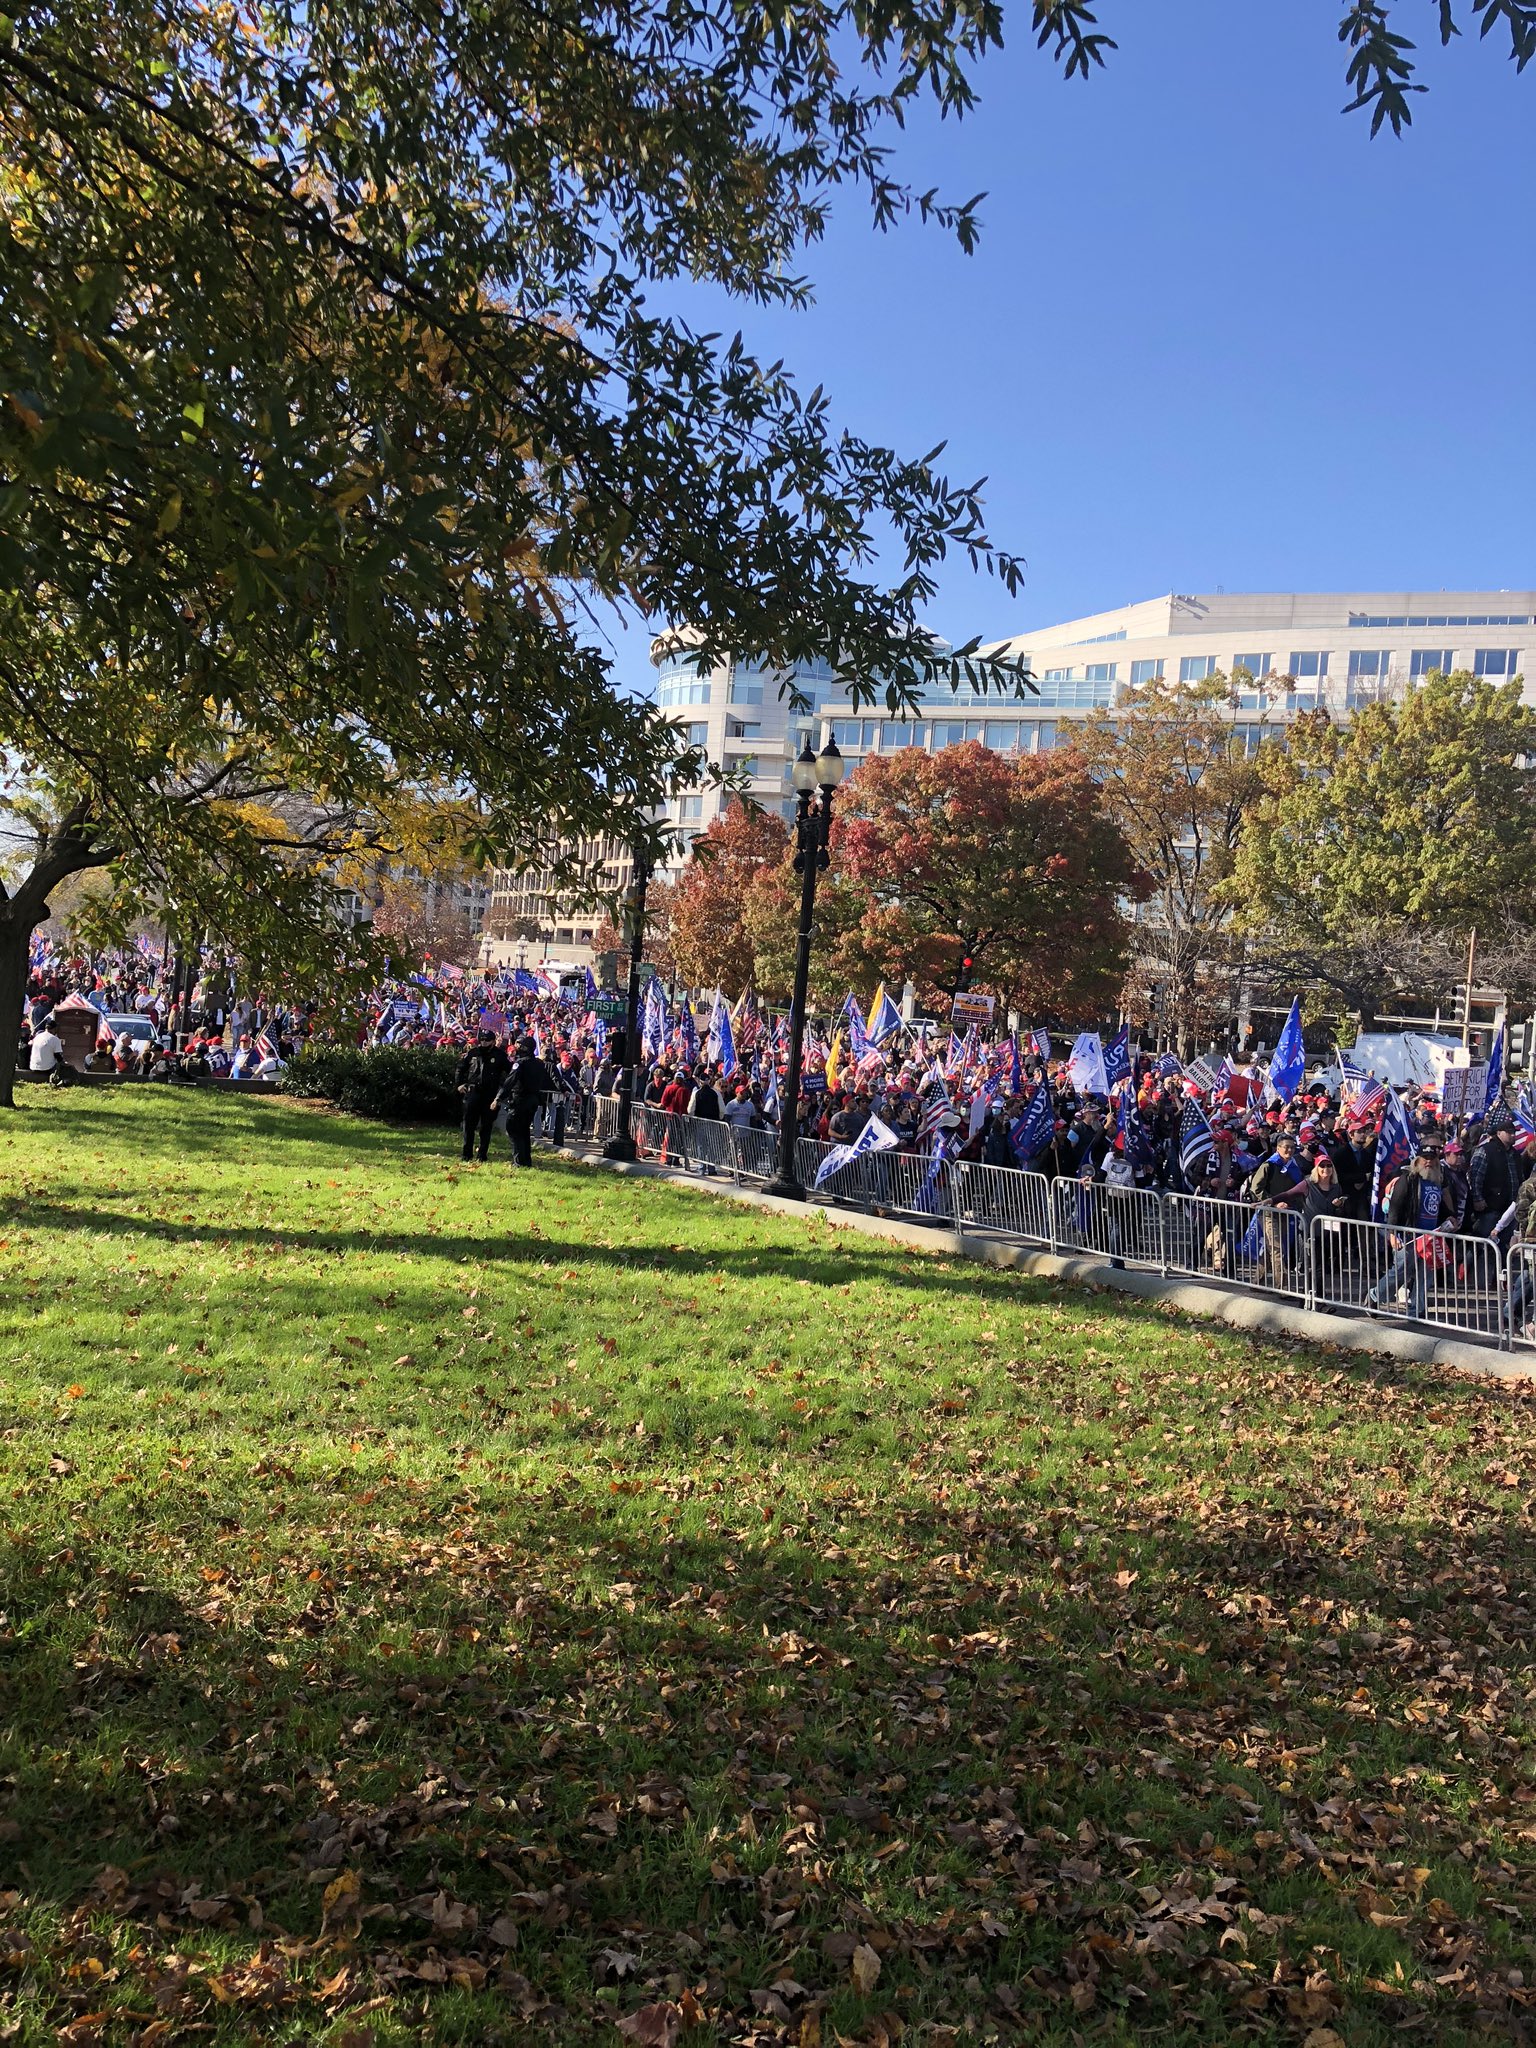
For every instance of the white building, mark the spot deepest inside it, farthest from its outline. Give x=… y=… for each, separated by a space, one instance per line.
x=1301 y=649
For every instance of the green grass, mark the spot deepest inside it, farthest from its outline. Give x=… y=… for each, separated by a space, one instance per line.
x=446 y=1606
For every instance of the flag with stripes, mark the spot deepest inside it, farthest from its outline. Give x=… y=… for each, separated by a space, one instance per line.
x=936 y=1104
x=1395 y=1145
x=1196 y=1142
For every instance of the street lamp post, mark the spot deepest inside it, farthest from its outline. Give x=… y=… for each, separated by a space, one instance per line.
x=622 y=1144
x=823 y=771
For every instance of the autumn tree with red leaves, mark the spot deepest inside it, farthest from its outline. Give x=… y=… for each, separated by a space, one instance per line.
x=710 y=941
x=1009 y=862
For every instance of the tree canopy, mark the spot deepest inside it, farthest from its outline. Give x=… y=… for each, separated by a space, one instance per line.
x=1176 y=777
x=1379 y=844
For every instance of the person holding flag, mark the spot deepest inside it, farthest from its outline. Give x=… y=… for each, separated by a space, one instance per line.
x=1420 y=1204
x=875 y=1137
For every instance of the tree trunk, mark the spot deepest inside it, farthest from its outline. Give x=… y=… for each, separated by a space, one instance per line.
x=14 y=938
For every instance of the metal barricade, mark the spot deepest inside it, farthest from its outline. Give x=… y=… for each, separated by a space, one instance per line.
x=1123 y=1225
x=1216 y=1238
x=1520 y=1294
x=1449 y=1282
x=605 y=1118
x=1004 y=1200
x=755 y=1153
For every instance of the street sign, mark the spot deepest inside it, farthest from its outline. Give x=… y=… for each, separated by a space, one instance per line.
x=972 y=1009
x=612 y=1009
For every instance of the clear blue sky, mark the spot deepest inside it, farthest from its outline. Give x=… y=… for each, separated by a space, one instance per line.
x=1214 y=334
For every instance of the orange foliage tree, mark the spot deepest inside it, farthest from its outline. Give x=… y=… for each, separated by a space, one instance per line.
x=710 y=942
x=1010 y=862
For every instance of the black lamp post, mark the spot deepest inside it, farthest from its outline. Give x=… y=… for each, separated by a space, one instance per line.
x=823 y=771
x=622 y=1145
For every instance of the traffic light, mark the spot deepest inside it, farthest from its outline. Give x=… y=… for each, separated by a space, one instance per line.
x=964 y=980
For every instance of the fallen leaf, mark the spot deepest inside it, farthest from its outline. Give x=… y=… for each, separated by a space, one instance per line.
x=865 y=1968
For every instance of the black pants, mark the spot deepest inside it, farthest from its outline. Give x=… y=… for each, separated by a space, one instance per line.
x=520 y=1130
x=479 y=1115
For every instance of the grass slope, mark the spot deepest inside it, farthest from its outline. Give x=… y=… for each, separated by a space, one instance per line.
x=444 y=1606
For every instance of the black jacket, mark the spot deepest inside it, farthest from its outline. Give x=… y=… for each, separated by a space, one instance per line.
x=527 y=1083
x=482 y=1069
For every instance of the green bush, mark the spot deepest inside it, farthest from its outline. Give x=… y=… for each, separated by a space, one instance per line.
x=398 y=1083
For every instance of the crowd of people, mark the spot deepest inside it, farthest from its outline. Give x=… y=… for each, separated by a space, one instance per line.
x=534 y=1056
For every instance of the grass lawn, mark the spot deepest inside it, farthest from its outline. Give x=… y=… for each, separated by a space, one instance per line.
x=447 y=1606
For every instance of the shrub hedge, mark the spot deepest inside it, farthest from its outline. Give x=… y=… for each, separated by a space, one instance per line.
x=398 y=1083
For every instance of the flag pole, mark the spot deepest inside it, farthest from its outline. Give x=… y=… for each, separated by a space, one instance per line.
x=1466 y=1007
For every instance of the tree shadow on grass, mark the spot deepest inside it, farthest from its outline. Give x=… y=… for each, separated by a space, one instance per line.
x=1217 y=1775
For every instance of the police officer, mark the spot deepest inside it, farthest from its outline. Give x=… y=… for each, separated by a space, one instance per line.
x=479 y=1077
x=527 y=1085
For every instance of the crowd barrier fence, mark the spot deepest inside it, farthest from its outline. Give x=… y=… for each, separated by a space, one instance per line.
x=1463 y=1285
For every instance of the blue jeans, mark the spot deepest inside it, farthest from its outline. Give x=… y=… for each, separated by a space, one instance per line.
x=1406 y=1266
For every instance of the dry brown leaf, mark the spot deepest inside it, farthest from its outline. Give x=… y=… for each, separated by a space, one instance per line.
x=865 y=1968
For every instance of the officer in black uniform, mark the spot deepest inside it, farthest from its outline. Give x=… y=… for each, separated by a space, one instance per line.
x=528 y=1084
x=479 y=1077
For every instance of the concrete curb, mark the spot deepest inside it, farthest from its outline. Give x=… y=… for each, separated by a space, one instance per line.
x=1230 y=1305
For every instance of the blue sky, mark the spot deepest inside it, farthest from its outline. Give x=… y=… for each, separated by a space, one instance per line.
x=1214 y=335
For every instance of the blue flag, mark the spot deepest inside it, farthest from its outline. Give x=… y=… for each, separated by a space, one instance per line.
x=858 y=1038
x=884 y=1018
x=722 y=1043
x=1290 y=1061
x=1395 y=1146
x=926 y=1200
x=688 y=1035
x=1015 y=1070
x=1495 y=1086
x=591 y=985
x=1029 y=1134
x=1117 y=1057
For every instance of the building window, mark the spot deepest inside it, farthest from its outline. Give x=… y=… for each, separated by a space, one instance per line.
x=1312 y=665
x=1369 y=668
x=1496 y=661
x=1298 y=701
x=1147 y=671
x=746 y=688
x=688 y=808
x=1058 y=675
x=1257 y=665
x=743 y=764
x=1371 y=663
x=895 y=737
x=682 y=689
x=1426 y=661
x=743 y=729
x=1196 y=668
x=1072 y=693
x=856 y=734
x=1250 y=737
x=1002 y=738
x=1038 y=736
x=695 y=735
x=1101 y=671
x=563 y=935
x=948 y=735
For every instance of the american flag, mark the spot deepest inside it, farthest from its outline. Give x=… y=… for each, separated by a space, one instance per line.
x=936 y=1104
x=1368 y=1096
x=265 y=1047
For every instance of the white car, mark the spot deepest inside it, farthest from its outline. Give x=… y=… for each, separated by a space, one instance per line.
x=137 y=1025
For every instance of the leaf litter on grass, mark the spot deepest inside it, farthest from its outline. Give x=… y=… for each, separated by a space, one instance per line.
x=915 y=1654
